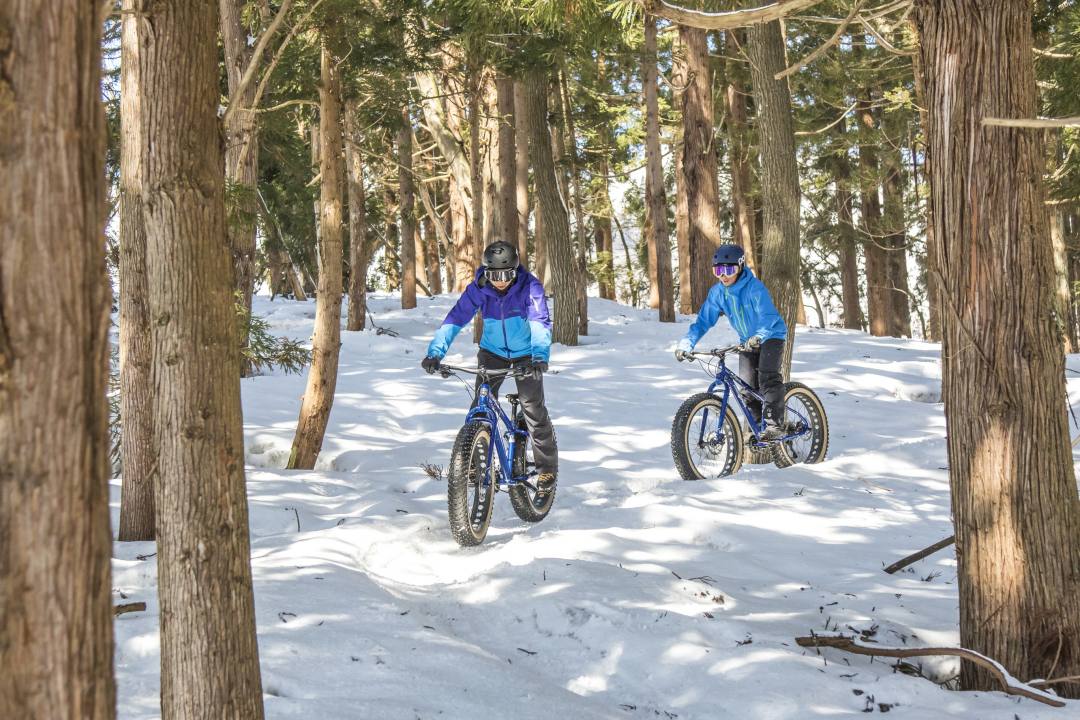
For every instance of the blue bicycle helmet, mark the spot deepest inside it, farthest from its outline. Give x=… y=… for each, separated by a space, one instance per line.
x=729 y=255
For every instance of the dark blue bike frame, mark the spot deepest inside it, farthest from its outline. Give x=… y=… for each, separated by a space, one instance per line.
x=730 y=381
x=488 y=409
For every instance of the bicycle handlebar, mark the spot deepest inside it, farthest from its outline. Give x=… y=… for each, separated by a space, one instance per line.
x=720 y=352
x=514 y=372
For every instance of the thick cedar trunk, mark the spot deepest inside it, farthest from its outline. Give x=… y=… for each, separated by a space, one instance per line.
x=326 y=342
x=581 y=244
x=461 y=239
x=849 y=260
x=508 y=214
x=739 y=151
x=407 y=195
x=699 y=165
x=550 y=203
x=878 y=295
x=138 y=451
x=477 y=186
x=1014 y=501
x=241 y=161
x=521 y=174
x=679 y=76
x=895 y=226
x=779 y=261
x=209 y=655
x=656 y=226
x=359 y=253
x=1062 y=296
x=431 y=256
x=56 y=635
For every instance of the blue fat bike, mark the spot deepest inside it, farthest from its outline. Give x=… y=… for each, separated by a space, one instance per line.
x=709 y=440
x=493 y=451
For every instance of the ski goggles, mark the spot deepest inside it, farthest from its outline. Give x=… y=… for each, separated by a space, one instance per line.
x=500 y=275
x=725 y=270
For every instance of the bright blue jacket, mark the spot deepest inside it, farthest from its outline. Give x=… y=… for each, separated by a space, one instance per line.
x=748 y=306
x=516 y=323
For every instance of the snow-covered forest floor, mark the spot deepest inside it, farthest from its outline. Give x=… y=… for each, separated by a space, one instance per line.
x=640 y=596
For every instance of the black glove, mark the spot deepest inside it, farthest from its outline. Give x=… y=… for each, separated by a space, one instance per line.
x=539 y=367
x=430 y=364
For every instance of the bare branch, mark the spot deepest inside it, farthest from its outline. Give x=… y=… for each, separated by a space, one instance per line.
x=256 y=59
x=725 y=20
x=834 y=123
x=821 y=50
x=1009 y=684
x=1032 y=122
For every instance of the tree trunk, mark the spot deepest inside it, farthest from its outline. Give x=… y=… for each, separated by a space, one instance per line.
x=895 y=226
x=431 y=256
x=138 y=452
x=326 y=343
x=779 y=263
x=656 y=227
x=679 y=79
x=878 y=295
x=556 y=222
x=933 y=290
x=241 y=162
x=56 y=630
x=407 y=195
x=209 y=655
x=849 y=260
x=508 y=214
x=477 y=187
x=1014 y=499
x=699 y=165
x=742 y=208
x=359 y=253
x=581 y=265
x=1062 y=296
x=521 y=175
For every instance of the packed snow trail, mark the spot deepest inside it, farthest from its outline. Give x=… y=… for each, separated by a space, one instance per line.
x=640 y=596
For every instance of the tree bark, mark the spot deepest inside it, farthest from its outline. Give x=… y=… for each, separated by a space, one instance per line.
x=849 y=261
x=581 y=244
x=739 y=152
x=1014 y=500
x=431 y=256
x=56 y=630
x=780 y=195
x=209 y=655
x=326 y=343
x=359 y=252
x=895 y=226
x=679 y=80
x=933 y=289
x=138 y=451
x=656 y=226
x=461 y=239
x=521 y=175
x=699 y=165
x=1062 y=296
x=556 y=222
x=407 y=195
x=877 y=263
x=508 y=213
x=241 y=161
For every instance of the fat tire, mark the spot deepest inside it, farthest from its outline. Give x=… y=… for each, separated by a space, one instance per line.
x=680 y=451
x=522 y=498
x=469 y=521
x=819 y=428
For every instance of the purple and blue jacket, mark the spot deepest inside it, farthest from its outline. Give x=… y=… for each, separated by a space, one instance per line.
x=516 y=323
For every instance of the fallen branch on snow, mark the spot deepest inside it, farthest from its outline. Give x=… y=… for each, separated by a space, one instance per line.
x=916 y=557
x=128 y=607
x=1011 y=685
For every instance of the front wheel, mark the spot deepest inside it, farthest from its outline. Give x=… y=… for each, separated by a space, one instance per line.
x=804 y=412
x=523 y=498
x=704 y=443
x=470 y=488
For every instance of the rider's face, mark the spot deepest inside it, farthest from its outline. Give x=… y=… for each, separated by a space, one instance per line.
x=501 y=285
x=729 y=280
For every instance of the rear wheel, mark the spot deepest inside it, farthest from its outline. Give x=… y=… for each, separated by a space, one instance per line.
x=522 y=497
x=704 y=444
x=470 y=487
x=804 y=411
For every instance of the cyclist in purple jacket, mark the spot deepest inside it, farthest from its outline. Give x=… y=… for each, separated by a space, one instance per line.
x=517 y=334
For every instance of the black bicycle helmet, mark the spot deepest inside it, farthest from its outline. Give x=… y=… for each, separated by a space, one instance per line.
x=729 y=255
x=500 y=255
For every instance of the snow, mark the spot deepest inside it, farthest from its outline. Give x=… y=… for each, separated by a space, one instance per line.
x=640 y=596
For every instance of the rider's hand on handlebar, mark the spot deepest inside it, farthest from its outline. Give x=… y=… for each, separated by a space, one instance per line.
x=683 y=355
x=430 y=365
x=752 y=343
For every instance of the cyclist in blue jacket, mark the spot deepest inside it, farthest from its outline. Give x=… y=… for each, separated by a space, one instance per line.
x=750 y=309
x=517 y=334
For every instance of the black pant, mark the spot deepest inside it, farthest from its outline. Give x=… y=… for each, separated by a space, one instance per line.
x=530 y=391
x=761 y=370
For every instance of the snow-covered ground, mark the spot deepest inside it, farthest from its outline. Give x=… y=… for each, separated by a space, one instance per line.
x=640 y=596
